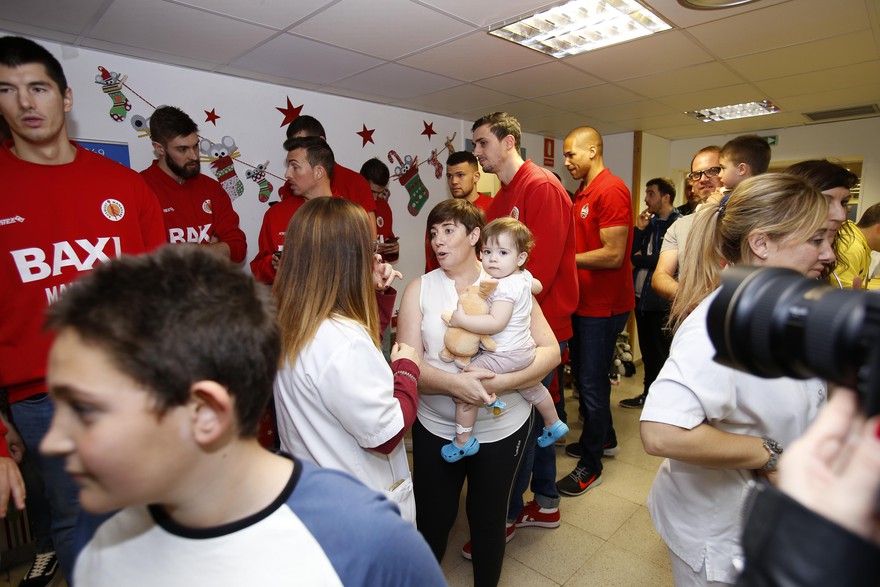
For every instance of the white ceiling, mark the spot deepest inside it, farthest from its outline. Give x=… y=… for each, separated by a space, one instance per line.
x=436 y=56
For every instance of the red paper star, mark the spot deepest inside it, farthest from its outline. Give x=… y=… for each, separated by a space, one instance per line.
x=367 y=135
x=290 y=113
x=429 y=129
x=211 y=116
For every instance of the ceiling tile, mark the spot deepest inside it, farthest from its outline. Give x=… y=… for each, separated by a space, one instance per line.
x=540 y=80
x=629 y=111
x=822 y=54
x=147 y=54
x=476 y=56
x=695 y=77
x=178 y=30
x=489 y=12
x=397 y=82
x=461 y=98
x=267 y=77
x=781 y=26
x=665 y=120
x=521 y=109
x=17 y=28
x=721 y=96
x=383 y=28
x=297 y=58
x=828 y=79
x=66 y=16
x=593 y=97
x=649 y=55
x=676 y=14
x=833 y=99
x=278 y=14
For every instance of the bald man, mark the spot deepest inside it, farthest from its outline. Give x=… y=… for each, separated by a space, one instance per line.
x=603 y=217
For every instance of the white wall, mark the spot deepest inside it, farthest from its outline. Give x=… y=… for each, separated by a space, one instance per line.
x=247 y=111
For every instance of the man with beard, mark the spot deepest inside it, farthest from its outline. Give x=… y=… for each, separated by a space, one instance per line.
x=196 y=209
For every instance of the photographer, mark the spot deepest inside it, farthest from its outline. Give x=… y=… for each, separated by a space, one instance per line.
x=719 y=427
x=820 y=527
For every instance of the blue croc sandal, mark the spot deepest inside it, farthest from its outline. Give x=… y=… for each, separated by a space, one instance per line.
x=557 y=431
x=452 y=452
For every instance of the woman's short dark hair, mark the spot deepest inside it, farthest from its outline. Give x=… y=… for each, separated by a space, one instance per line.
x=459 y=211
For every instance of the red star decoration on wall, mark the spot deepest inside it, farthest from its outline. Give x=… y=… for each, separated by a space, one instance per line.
x=211 y=116
x=367 y=136
x=290 y=113
x=429 y=129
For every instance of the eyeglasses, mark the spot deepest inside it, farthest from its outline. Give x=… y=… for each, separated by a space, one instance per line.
x=711 y=172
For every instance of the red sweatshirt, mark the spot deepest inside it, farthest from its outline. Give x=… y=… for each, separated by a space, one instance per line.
x=196 y=211
x=56 y=223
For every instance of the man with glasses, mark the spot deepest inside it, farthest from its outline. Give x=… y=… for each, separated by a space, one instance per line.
x=705 y=178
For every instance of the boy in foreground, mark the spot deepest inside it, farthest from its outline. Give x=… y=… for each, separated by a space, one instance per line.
x=160 y=370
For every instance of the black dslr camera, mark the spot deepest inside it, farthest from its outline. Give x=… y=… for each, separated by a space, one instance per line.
x=774 y=322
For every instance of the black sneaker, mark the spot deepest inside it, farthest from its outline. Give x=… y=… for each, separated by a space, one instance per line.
x=578 y=482
x=637 y=402
x=42 y=570
x=574 y=450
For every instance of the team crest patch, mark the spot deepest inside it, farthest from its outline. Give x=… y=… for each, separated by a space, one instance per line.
x=206 y=206
x=514 y=213
x=585 y=211
x=113 y=209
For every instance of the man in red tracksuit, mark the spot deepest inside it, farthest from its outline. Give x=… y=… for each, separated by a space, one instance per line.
x=65 y=209
x=195 y=207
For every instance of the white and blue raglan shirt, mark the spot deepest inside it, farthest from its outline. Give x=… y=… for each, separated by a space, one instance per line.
x=325 y=528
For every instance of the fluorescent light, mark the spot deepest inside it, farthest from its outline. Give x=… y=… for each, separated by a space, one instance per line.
x=582 y=25
x=734 y=111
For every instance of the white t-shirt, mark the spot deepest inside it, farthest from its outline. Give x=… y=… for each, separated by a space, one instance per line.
x=696 y=509
x=437 y=412
x=337 y=401
x=517 y=289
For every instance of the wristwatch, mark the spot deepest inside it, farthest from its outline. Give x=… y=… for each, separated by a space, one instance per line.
x=775 y=450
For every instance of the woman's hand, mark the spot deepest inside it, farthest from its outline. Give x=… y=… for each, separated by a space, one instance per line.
x=469 y=387
x=834 y=468
x=383 y=273
x=401 y=350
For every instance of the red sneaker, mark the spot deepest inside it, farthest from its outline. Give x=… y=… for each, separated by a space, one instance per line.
x=466 y=549
x=534 y=515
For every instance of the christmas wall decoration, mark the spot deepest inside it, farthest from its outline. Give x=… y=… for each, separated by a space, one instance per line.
x=258 y=174
x=407 y=173
x=111 y=84
x=429 y=129
x=220 y=155
x=366 y=135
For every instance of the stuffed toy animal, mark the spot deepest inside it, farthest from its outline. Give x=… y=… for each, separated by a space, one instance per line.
x=461 y=345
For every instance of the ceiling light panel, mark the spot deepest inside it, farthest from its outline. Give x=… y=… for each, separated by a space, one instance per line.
x=734 y=111
x=582 y=25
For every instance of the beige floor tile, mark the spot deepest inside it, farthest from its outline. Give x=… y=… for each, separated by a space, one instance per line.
x=513 y=574
x=598 y=512
x=612 y=566
x=638 y=536
x=627 y=481
x=555 y=553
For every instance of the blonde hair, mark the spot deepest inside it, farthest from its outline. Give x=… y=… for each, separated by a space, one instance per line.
x=519 y=233
x=325 y=270
x=784 y=207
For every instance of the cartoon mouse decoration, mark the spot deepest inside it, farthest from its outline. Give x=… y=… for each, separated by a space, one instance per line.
x=220 y=156
x=141 y=125
x=258 y=174
x=111 y=84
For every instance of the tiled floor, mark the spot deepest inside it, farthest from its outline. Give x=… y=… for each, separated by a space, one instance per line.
x=606 y=537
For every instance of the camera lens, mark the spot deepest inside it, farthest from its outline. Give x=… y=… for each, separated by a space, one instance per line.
x=774 y=322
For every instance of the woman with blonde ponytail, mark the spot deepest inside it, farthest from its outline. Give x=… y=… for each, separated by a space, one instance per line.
x=718 y=427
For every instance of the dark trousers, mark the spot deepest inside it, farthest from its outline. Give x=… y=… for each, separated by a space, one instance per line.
x=489 y=473
x=592 y=350
x=654 y=341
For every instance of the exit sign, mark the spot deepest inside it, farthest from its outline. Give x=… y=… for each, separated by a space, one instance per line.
x=772 y=140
